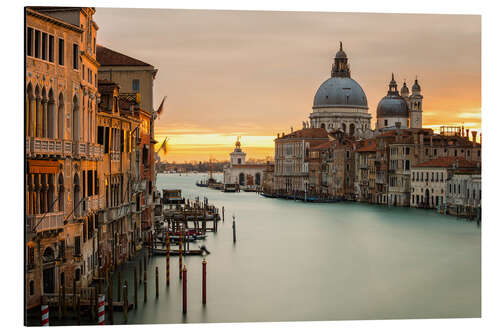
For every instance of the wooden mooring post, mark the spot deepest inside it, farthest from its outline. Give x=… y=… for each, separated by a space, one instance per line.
x=234 y=230
x=140 y=271
x=125 y=301
x=110 y=302
x=60 y=301
x=167 y=258
x=222 y=213
x=180 y=253
x=184 y=290
x=145 y=286
x=135 y=287
x=156 y=282
x=204 y=282
x=119 y=285
x=78 y=312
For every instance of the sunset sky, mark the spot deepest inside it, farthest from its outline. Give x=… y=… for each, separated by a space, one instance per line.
x=255 y=73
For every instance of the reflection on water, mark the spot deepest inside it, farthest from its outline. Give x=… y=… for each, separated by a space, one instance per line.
x=296 y=261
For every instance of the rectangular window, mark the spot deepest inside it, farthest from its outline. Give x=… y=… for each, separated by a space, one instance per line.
x=89 y=183
x=77 y=246
x=29 y=42
x=83 y=72
x=44 y=46
x=100 y=135
x=106 y=140
x=60 y=53
x=37 y=44
x=135 y=85
x=51 y=48
x=76 y=51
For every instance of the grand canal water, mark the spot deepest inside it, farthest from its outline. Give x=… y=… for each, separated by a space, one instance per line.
x=297 y=261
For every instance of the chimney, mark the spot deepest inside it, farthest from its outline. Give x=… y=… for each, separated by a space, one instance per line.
x=291 y=129
x=467 y=131
x=474 y=134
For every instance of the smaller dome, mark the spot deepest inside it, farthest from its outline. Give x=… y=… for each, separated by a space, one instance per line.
x=416 y=86
x=392 y=106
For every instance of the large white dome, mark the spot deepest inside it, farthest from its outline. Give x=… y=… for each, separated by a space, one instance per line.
x=342 y=92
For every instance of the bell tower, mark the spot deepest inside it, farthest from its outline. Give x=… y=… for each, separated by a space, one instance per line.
x=416 y=106
x=237 y=156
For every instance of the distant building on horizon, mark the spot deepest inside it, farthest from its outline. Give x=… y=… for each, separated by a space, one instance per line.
x=246 y=175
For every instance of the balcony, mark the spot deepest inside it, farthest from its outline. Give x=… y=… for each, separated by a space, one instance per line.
x=44 y=146
x=80 y=149
x=45 y=222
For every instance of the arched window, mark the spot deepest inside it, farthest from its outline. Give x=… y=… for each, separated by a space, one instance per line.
x=75 y=130
x=60 y=183
x=257 y=178
x=60 y=117
x=76 y=196
x=30 y=111
x=351 y=129
x=344 y=127
x=44 y=113
x=242 y=179
x=322 y=125
x=32 y=287
x=51 y=116
x=38 y=112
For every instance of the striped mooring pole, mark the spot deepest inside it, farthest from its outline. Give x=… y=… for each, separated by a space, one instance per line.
x=45 y=315
x=181 y=234
x=100 y=310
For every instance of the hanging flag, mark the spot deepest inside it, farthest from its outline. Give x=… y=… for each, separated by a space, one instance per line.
x=164 y=146
x=160 y=108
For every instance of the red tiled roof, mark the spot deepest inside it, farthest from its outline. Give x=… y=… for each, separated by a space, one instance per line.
x=368 y=145
x=108 y=57
x=321 y=145
x=447 y=162
x=308 y=133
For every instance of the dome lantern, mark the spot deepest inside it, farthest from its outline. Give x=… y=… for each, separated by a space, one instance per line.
x=340 y=67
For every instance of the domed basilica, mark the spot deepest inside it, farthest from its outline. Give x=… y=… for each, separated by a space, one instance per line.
x=340 y=104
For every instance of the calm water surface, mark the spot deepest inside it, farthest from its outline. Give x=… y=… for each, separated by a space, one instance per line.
x=302 y=261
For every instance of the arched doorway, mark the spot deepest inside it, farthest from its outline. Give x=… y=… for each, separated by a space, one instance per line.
x=48 y=257
x=344 y=127
x=426 y=200
x=75 y=130
x=322 y=125
x=241 y=179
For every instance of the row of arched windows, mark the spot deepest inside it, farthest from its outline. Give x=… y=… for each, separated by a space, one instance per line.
x=45 y=115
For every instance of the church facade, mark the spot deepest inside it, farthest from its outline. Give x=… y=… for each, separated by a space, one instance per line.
x=245 y=175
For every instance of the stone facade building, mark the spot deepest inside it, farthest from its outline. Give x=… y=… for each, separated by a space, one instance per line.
x=135 y=79
x=88 y=155
x=291 y=166
x=62 y=155
x=463 y=193
x=429 y=180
